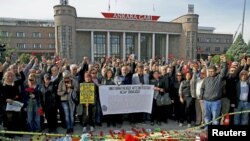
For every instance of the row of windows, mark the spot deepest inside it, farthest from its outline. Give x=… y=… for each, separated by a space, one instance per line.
x=36 y=45
x=214 y=40
x=208 y=49
x=100 y=48
x=22 y=34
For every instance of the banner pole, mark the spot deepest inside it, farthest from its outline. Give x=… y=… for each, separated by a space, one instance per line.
x=87 y=108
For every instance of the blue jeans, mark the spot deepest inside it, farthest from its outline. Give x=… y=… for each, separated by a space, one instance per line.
x=69 y=116
x=98 y=114
x=241 y=119
x=33 y=118
x=212 y=111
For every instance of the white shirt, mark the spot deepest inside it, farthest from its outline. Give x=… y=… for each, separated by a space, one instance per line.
x=198 y=87
x=244 y=90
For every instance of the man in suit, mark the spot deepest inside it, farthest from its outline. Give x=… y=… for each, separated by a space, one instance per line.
x=139 y=78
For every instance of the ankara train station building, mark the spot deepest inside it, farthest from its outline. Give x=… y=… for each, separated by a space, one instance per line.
x=118 y=35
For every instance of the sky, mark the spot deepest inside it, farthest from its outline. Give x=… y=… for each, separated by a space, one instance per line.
x=224 y=15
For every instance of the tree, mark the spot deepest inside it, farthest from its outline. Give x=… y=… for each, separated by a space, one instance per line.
x=238 y=48
x=216 y=58
x=24 y=58
x=9 y=51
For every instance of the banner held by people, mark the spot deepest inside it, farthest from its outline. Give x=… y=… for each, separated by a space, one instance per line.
x=126 y=99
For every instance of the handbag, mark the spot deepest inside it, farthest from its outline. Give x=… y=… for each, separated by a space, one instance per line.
x=164 y=99
x=75 y=98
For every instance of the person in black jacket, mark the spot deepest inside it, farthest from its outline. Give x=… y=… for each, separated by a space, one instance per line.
x=157 y=111
x=186 y=99
x=9 y=92
x=48 y=102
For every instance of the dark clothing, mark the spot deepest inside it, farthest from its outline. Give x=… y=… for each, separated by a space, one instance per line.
x=211 y=89
x=127 y=79
x=174 y=94
x=231 y=82
x=238 y=92
x=10 y=118
x=187 y=110
x=48 y=102
x=85 y=67
x=157 y=111
x=185 y=88
x=141 y=78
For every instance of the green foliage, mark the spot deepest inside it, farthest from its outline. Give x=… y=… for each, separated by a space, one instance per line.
x=24 y=58
x=216 y=58
x=238 y=48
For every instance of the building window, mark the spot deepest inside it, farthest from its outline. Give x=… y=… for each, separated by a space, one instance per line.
x=51 y=35
x=51 y=45
x=37 y=45
x=190 y=44
x=130 y=45
x=208 y=40
x=189 y=20
x=20 y=34
x=217 y=49
x=99 y=46
x=217 y=40
x=228 y=41
x=65 y=41
x=21 y=45
x=115 y=45
x=207 y=49
x=5 y=34
x=36 y=35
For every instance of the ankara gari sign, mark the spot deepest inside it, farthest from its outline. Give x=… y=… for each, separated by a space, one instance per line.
x=130 y=17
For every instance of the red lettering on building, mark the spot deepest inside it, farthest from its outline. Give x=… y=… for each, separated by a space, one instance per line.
x=130 y=17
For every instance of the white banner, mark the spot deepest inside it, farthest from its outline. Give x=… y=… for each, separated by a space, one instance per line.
x=126 y=99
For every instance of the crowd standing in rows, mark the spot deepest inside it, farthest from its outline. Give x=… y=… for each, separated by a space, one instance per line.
x=199 y=91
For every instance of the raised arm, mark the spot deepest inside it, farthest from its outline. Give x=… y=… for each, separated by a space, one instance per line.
x=224 y=66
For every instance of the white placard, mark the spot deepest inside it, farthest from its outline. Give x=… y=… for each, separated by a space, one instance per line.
x=126 y=99
x=14 y=106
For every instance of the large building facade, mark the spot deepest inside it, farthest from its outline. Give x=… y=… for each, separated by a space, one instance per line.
x=28 y=36
x=101 y=37
x=74 y=37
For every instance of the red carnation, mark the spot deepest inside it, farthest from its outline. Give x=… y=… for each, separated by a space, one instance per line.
x=40 y=111
x=30 y=90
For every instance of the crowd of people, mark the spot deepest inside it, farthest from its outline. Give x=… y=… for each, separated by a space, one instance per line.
x=200 y=91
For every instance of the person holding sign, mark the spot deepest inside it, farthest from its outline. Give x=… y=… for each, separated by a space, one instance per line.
x=67 y=90
x=87 y=99
x=108 y=80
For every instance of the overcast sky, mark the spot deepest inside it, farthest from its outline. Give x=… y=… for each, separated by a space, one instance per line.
x=224 y=15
